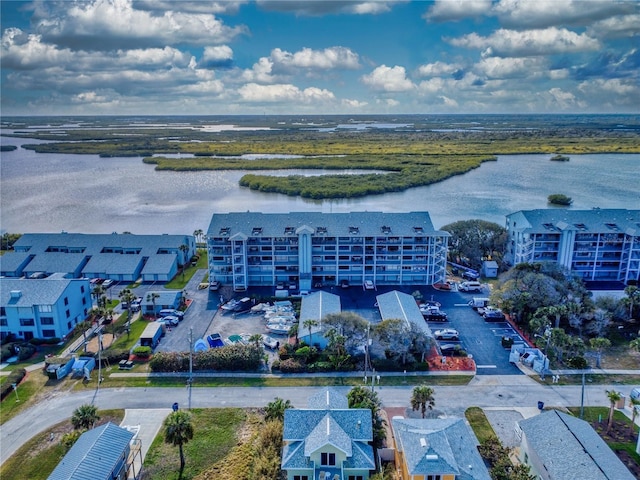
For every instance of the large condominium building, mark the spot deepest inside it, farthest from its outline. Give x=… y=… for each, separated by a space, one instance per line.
x=306 y=249
x=598 y=244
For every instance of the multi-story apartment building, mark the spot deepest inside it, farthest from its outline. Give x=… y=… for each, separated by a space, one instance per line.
x=307 y=249
x=598 y=244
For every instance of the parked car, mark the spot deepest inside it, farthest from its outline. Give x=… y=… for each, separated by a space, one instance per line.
x=368 y=285
x=166 y=312
x=452 y=350
x=107 y=283
x=492 y=314
x=169 y=320
x=470 y=275
x=429 y=304
x=470 y=286
x=280 y=286
x=446 y=334
x=442 y=286
x=344 y=283
x=214 y=285
x=136 y=304
x=435 y=316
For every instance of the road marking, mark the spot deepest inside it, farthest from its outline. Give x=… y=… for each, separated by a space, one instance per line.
x=460 y=304
x=486 y=366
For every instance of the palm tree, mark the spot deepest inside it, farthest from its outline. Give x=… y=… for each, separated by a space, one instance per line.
x=422 y=398
x=152 y=297
x=256 y=339
x=184 y=249
x=98 y=293
x=127 y=296
x=84 y=417
x=310 y=324
x=598 y=344
x=178 y=430
x=275 y=410
x=614 y=397
x=634 y=403
x=198 y=234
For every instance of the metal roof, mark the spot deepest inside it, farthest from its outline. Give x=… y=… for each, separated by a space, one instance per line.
x=95 y=455
x=316 y=306
x=591 y=221
x=399 y=305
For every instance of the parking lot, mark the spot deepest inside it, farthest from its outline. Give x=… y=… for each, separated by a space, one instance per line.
x=480 y=339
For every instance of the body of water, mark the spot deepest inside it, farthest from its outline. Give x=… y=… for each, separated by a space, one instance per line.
x=85 y=193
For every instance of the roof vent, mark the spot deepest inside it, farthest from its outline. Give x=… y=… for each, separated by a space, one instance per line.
x=256 y=231
x=224 y=231
x=385 y=229
x=423 y=442
x=16 y=293
x=354 y=230
x=431 y=456
x=321 y=230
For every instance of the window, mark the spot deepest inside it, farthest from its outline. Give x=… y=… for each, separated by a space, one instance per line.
x=300 y=477
x=433 y=477
x=68 y=314
x=68 y=325
x=3 y=322
x=45 y=308
x=46 y=320
x=356 y=477
x=66 y=300
x=48 y=333
x=82 y=288
x=84 y=300
x=328 y=459
x=27 y=322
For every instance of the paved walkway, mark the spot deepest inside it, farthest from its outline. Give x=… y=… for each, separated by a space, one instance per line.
x=146 y=422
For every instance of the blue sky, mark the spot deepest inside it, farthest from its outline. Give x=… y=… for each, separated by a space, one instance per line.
x=101 y=57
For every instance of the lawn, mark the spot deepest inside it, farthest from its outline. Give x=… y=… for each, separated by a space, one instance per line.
x=216 y=433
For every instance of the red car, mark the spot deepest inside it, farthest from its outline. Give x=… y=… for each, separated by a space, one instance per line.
x=442 y=286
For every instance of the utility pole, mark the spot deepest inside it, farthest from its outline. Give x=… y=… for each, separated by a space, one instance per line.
x=190 y=381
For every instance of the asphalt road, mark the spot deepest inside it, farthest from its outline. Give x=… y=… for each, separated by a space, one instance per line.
x=507 y=391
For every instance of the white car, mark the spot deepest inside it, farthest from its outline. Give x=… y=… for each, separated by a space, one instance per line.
x=169 y=320
x=107 y=283
x=446 y=334
x=368 y=285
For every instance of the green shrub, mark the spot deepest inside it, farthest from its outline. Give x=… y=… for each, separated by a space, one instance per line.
x=559 y=199
x=142 y=352
x=113 y=357
x=579 y=363
x=6 y=351
x=292 y=365
x=228 y=358
x=14 y=377
x=26 y=351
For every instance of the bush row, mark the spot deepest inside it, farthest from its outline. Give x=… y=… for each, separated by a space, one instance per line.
x=230 y=357
x=14 y=377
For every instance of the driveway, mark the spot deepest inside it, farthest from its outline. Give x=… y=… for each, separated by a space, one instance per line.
x=146 y=423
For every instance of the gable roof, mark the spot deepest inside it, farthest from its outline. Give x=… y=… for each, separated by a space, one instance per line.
x=439 y=446
x=316 y=306
x=44 y=291
x=95 y=455
x=570 y=448
x=328 y=398
x=399 y=305
x=328 y=432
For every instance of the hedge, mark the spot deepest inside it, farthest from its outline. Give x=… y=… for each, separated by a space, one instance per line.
x=14 y=377
x=229 y=358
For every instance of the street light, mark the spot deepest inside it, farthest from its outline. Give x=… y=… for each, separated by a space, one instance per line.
x=15 y=389
x=545 y=360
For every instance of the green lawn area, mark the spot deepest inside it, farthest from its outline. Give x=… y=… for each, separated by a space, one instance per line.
x=180 y=280
x=215 y=435
x=479 y=424
x=128 y=341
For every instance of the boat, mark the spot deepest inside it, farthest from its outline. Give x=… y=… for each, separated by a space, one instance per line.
x=215 y=340
x=560 y=158
x=290 y=319
x=200 y=346
x=281 y=328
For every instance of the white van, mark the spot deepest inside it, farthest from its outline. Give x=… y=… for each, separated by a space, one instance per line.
x=470 y=287
x=479 y=302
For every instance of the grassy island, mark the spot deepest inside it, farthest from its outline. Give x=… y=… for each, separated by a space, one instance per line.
x=390 y=160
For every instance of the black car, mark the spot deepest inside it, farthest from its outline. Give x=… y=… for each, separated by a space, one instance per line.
x=493 y=315
x=435 y=317
x=452 y=350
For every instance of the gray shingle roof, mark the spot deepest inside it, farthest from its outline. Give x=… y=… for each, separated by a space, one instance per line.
x=57 y=262
x=44 y=291
x=159 y=264
x=336 y=224
x=328 y=399
x=570 y=448
x=399 y=305
x=113 y=264
x=327 y=432
x=595 y=220
x=315 y=307
x=95 y=455
x=439 y=446
x=10 y=262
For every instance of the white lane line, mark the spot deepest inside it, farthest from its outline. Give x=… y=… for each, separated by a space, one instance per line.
x=486 y=366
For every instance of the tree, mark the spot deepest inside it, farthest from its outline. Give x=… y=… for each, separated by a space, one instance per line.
x=634 y=403
x=275 y=410
x=84 y=417
x=349 y=325
x=473 y=241
x=614 y=397
x=598 y=344
x=632 y=300
x=422 y=398
x=256 y=340
x=127 y=296
x=152 y=297
x=184 y=249
x=198 y=234
x=363 y=397
x=309 y=324
x=395 y=335
x=635 y=344
x=98 y=293
x=178 y=430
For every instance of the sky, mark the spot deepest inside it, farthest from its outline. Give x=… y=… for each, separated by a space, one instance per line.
x=161 y=57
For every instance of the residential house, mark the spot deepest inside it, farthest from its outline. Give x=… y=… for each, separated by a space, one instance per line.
x=101 y=453
x=328 y=440
x=598 y=244
x=558 y=446
x=42 y=308
x=156 y=300
x=437 y=449
x=317 y=306
x=309 y=248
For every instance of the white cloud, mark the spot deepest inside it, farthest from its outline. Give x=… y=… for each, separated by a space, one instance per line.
x=450 y=10
x=225 y=7
x=498 y=67
x=438 y=69
x=627 y=89
x=387 y=79
x=218 y=55
x=261 y=72
x=160 y=57
x=327 y=59
x=106 y=24
x=353 y=103
x=26 y=51
x=327 y=7
x=449 y=102
x=563 y=100
x=620 y=26
x=546 y=13
x=254 y=92
x=546 y=41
